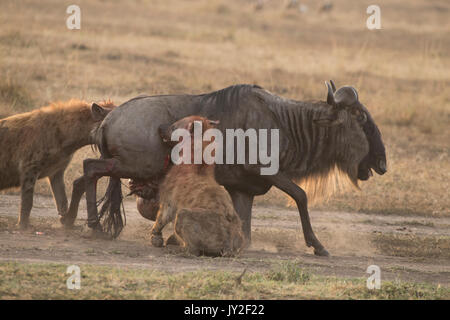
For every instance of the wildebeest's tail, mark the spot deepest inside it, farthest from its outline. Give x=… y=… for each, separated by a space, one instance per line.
x=111 y=218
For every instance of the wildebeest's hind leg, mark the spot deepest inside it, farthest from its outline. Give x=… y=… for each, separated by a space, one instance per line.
x=78 y=190
x=94 y=169
x=285 y=184
x=243 y=203
x=27 y=182
x=59 y=192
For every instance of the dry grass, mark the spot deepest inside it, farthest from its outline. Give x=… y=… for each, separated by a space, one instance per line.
x=284 y=281
x=14 y=96
x=173 y=46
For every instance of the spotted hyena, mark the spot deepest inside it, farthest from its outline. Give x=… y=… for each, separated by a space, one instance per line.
x=205 y=221
x=41 y=143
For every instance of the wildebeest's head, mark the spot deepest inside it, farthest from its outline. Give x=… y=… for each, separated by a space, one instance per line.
x=345 y=105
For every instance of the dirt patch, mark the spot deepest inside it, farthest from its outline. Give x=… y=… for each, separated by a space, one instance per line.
x=403 y=247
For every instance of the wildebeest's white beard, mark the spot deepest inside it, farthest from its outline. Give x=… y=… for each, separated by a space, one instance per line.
x=321 y=186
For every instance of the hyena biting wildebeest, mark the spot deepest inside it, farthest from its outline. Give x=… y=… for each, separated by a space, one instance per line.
x=41 y=143
x=202 y=211
x=315 y=138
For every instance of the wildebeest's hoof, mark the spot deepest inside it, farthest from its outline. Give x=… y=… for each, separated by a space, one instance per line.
x=66 y=221
x=322 y=252
x=94 y=233
x=157 y=240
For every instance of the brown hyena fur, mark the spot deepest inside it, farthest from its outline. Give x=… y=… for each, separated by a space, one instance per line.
x=41 y=143
x=205 y=221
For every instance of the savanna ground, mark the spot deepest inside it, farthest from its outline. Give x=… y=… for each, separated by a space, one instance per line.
x=400 y=221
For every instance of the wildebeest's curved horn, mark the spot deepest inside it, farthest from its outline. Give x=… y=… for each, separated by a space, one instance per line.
x=333 y=86
x=330 y=96
x=346 y=95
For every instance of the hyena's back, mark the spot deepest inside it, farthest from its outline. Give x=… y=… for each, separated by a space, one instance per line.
x=208 y=233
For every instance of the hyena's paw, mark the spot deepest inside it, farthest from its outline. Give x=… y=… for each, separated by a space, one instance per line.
x=157 y=240
x=173 y=240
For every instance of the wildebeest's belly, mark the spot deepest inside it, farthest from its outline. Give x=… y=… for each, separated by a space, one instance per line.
x=144 y=164
x=236 y=178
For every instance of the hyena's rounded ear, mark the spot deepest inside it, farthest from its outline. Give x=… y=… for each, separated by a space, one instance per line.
x=98 y=112
x=190 y=127
x=213 y=123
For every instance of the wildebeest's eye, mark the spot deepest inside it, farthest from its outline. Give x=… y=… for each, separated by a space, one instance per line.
x=360 y=116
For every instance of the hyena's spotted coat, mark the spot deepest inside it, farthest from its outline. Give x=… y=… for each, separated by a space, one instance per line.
x=205 y=221
x=41 y=143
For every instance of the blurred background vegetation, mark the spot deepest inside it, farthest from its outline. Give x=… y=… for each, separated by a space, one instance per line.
x=126 y=48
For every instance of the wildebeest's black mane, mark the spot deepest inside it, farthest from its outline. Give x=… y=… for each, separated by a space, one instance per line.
x=216 y=102
x=224 y=100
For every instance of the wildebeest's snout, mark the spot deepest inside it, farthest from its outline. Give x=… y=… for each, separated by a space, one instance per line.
x=380 y=166
x=375 y=162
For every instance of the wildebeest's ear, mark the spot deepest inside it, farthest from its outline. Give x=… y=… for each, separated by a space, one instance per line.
x=98 y=113
x=323 y=122
x=327 y=122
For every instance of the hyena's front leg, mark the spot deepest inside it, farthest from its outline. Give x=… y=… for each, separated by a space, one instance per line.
x=59 y=192
x=78 y=190
x=27 y=181
x=165 y=215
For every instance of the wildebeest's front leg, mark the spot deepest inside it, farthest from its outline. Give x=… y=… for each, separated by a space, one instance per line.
x=27 y=183
x=285 y=184
x=242 y=203
x=59 y=191
x=78 y=190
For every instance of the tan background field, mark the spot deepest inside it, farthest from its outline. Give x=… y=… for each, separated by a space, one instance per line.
x=126 y=48
x=399 y=221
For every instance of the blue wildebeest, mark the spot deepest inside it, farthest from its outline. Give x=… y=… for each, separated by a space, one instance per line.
x=314 y=138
